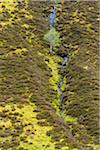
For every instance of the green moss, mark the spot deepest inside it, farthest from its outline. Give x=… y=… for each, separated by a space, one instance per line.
x=75 y=149
x=17 y=52
x=9 y=4
x=52 y=63
x=55 y=104
x=69 y=118
x=12 y=8
x=39 y=132
x=94 y=146
x=64 y=84
x=28 y=117
x=89 y=27
x=65 y=148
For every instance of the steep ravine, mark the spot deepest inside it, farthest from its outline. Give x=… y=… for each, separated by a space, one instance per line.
x=59 y=83
x=57 y=61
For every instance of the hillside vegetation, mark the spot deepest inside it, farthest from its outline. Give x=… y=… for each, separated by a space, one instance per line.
x=29 y=76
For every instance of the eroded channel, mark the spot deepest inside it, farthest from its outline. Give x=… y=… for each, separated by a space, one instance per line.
x=63 y=57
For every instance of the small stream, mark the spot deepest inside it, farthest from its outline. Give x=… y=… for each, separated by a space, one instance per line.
x=51 y=19
x=61 y=82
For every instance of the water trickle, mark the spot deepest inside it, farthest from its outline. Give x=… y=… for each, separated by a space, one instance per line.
x=61 y=82
x=51 y=19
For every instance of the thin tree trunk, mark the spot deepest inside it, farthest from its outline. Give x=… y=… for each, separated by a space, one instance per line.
x=51 y=48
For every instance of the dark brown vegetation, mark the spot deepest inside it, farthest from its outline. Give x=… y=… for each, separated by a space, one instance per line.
x=79 y=31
